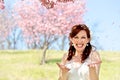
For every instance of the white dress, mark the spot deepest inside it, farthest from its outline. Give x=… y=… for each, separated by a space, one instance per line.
x=80 y=71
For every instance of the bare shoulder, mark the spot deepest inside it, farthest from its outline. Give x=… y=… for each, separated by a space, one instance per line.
x=94 y=51
x=95 y=56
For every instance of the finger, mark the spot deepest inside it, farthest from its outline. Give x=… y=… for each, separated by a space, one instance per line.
x=92 y=65
x=96 y=62
x=63 y=67
x=60 y=65
x=57 y=64
x=67 y=68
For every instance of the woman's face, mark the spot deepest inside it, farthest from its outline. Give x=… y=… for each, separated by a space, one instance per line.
x=80 y=40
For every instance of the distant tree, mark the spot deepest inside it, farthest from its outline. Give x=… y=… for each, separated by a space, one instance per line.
x=6 y=25
x=14 y=37
x=62 y=43
x=44 y=26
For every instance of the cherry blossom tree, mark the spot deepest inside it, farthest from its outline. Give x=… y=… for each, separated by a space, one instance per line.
x=2 y=6
x=42 y=25
x=50 y=3
x=6 y=25
x=14 y=37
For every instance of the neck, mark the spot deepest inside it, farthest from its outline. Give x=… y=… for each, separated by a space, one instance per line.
x=78 y=53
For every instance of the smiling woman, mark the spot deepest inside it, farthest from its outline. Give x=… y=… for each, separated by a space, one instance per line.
x=82 y=62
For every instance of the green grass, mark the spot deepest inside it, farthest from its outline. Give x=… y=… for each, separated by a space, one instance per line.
x=25 y=65
x=110 y=67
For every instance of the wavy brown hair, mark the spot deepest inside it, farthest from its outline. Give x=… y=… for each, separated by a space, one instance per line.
x=74 y=31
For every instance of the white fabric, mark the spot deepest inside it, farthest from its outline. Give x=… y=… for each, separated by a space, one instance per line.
x=80 y=71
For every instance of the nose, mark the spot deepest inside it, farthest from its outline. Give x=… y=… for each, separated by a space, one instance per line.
x=80 y=40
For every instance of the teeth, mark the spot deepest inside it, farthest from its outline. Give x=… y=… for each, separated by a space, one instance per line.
x=79 y=45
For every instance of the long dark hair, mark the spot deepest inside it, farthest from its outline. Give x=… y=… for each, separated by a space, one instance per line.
x=74 y=31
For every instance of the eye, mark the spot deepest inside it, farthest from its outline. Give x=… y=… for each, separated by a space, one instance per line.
x=83 y=37
x=76 y=37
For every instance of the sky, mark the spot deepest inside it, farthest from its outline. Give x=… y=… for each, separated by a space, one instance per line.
x=103 y=19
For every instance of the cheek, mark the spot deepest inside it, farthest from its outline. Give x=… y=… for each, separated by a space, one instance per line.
x=86 y=41
x=74 y=42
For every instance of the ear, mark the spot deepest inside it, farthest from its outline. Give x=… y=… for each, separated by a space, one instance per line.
x=89 y=39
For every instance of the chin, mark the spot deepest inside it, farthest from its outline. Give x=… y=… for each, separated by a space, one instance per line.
x=80 y=49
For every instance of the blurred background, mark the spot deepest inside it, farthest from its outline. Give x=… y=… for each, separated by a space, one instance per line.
x=34 y=36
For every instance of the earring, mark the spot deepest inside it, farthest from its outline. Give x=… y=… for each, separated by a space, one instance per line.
x=72 y=44
x=87 y=44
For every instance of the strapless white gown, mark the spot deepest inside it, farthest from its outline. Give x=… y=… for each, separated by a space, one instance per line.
x=80 y=71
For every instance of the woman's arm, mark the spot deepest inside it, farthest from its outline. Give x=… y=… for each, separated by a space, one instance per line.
x=92 y=73
x=63 y=74
x=94 y=66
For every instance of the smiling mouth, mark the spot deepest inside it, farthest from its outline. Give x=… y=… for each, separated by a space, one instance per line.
x=79 y=45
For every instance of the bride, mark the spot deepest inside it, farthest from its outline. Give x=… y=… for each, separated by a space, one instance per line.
x=82 y=62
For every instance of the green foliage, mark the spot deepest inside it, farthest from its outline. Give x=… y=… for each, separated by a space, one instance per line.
x=25 y=65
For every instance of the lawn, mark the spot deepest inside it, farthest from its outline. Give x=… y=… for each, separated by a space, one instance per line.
x=25 y=65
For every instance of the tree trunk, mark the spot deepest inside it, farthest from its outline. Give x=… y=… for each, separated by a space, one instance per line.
x=44 y=54
x=63 y=43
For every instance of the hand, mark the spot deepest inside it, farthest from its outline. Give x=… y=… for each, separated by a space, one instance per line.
x=92 y=71
x=64 y=71
x=93 y=64
x=63 y=67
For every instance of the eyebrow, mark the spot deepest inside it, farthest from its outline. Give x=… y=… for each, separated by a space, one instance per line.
x=82 y=35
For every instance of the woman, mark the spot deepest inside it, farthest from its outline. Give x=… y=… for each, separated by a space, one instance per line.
x=82 y=62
